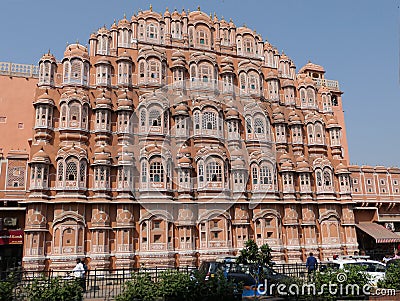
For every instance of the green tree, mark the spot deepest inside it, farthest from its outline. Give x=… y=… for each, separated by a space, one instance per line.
x=252 y=254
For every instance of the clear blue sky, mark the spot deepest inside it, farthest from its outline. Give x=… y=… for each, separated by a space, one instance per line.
x=357 y=42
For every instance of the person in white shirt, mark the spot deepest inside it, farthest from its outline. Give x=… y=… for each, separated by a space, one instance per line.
x=79 y=273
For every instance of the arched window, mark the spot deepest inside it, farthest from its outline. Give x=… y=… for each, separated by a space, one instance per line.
x=76 y=71
x=318 y=175
x=144 y=172
x=319 y=133
x=152 y=31
x=67 y=69
x=209 y=121
x=196 y=120
x=327 y=178
x=249 y=128
x=248 y=46
x=71 y=172
x=143 y=118
x=74 y=114
x=202 y=38
x=213 y=172
x=141 y=69
x=103 y=46
x=254 y=173
x=154 y=117
x=259 y=125
x=60 y=171
x=303 y=97
x=265 y=175
x=82 y=173
x=201 y=172
x=253 y=82
x=311 y=96
x=156 y=172
x=153 y=70
x=205 y=74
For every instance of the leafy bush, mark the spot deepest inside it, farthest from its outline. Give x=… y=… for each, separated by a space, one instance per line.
x=54 y=289
x=177 y=286
x=139 y=288
x=392 y=278
x=6 y=289
x=354 y=275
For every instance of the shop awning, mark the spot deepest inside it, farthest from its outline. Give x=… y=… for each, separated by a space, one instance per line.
x=379 y=233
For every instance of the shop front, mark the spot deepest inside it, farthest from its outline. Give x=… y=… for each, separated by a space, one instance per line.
x=11 y=246
x=376 y=240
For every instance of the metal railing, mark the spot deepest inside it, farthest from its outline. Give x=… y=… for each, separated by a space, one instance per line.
x=19 y=70
x=102 y=284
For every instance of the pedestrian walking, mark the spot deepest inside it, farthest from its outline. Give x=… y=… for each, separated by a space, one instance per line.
x=311 y=265
x=79 y=273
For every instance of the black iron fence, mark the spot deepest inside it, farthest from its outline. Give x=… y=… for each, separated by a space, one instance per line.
x=107 y=284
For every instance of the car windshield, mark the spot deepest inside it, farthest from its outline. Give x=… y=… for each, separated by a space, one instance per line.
x=368 y=266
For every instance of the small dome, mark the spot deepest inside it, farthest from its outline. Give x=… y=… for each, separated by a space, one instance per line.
x=341 y=169
x=167 y=13
x=103 y=99
x=288 y=83
x=185 y=150
x=271 y=75
x=238 y=164
x=332 y=123
x=41 y=157
x=232 y=112
x=178 y=55
x=48 y=57
x=124 y=23
x=288 y=165
x=312 y=67
x=102 y=157
x=285 y=157
x=76 y=50
x=184 y=160
x=237 y=152
x=294 y=118
x=302 y=164
x=114 y=26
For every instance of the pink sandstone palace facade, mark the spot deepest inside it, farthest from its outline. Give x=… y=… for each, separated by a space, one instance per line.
x=175 y=138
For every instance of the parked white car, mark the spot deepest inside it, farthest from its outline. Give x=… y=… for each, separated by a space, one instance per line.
x=375 y=269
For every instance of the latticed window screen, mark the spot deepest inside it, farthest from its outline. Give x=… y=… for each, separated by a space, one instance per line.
x=327 y=178
x=76 y=70
x=153 y=69
x=144 y=172
x=143 y=118
x=202 y=38
x=214 y=172
x=196 y=120
x=259 y=125
x=60 y=171
x=201 y=173
x=71 y=171
x=16 y=173
x=82 y=171
x=156 y=172
x=319 y=178
x=253 y=83
x=255 y=175
x=152 y=31
x=74 y=112
x=248 y=126
x=154 y=118
x=66 y=71
x=265 y=175
x=209 y=121
x=205 y=72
